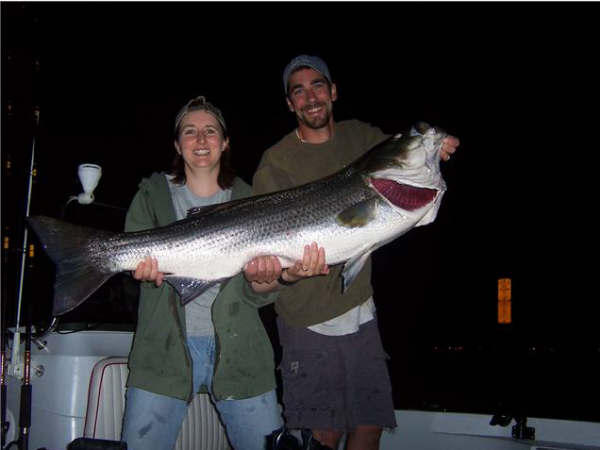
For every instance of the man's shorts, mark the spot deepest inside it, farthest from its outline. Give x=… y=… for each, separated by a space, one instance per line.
x=335 y=382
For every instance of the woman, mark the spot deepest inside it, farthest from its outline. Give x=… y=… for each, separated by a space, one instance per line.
x=173 y=353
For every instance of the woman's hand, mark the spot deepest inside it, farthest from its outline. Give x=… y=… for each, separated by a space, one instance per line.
x=263 y=269
x=147 y=270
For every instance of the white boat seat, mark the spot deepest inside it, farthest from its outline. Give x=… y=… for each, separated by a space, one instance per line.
x=106 y=399
x=201 y=429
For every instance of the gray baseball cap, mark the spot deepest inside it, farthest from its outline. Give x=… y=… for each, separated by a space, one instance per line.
x=314 y=62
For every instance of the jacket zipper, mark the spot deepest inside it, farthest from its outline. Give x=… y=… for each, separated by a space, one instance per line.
x=181 y=327
x=217 y=345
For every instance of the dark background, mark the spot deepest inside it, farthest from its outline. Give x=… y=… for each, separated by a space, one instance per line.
x=516 y=82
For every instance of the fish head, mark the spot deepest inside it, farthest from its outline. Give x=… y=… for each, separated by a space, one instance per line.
x=405 y=172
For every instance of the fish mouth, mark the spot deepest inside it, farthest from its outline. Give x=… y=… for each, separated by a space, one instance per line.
x=404 y=196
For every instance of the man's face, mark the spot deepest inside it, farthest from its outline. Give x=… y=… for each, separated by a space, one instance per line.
x=311 y=98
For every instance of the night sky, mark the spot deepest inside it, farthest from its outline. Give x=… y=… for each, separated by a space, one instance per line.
x=514 y=81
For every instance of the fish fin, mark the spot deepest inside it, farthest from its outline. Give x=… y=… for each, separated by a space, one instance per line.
x=190 y=288
x=208 y=209
x=352 y=268
x=358 y=215
x=75 y=286
x=199 y=210
x=77 y=275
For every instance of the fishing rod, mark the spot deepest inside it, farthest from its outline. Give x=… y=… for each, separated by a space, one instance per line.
x=3 y=336
x=26 y=388
x=25 y=406
x=3 y=392
x=15 y=361
x=17 y=335
x=22 y=442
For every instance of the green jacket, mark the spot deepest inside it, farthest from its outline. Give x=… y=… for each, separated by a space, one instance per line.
x=159 y=360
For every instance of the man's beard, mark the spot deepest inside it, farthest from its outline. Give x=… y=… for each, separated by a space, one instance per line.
x=316 y=122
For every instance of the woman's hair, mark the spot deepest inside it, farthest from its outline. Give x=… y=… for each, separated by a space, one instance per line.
x=226 y=172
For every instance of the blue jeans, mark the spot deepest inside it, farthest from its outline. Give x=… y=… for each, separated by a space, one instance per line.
x=152 y=421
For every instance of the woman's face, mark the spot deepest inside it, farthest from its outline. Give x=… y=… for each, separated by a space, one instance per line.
x=200 y=141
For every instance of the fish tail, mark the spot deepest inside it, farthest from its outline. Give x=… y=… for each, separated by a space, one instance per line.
x=78 y=275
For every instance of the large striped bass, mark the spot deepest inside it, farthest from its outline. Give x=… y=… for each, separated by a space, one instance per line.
x=394 y=187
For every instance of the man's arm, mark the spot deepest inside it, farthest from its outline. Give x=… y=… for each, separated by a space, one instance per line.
x=265 y=274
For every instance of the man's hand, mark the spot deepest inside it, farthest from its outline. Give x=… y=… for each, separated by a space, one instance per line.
x=449 y=146
x=262 y=272
x=147 y=270
x=312 y=264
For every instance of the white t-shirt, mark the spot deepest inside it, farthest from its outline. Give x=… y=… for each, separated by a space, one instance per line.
x=348 y=322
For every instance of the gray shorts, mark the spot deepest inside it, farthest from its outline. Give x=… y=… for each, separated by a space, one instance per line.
x=335 y=382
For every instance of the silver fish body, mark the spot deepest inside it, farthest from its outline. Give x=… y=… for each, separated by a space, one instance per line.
x=395 y=186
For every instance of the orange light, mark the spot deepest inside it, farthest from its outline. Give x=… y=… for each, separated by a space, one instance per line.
x=31 y=250
x=504 y=300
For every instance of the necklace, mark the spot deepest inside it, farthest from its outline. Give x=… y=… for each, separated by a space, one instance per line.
x=307 y=142
x=299 y=137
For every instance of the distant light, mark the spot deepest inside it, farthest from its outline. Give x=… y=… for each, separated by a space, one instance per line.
x=504 y=301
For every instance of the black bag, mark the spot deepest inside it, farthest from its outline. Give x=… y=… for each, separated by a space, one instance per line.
x=282 y=439
x=96 y=444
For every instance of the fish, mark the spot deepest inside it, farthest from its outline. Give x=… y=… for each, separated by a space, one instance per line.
x=395 y=186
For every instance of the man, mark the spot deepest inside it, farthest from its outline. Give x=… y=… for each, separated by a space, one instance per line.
x=334 y=373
